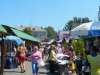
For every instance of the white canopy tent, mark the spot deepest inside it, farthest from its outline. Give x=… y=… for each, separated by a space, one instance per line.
x=86 y=29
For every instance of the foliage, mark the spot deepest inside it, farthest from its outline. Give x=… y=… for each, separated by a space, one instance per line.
x=28 y=30
x=51 y=33
x=75 y=22
x=79 y=45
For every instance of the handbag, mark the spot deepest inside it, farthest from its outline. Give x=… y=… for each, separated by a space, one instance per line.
x=41 y=63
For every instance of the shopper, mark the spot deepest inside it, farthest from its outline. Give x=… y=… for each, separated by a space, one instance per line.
x=36 y=55
x=52 y=59
x=21 y=56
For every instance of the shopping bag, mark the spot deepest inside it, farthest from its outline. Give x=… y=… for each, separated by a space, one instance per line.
x=41 y=63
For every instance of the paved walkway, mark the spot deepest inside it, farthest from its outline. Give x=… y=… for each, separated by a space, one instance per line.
x=42 y=71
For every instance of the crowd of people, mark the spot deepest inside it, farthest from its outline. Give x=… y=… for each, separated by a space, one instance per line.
x=34 y=57
x=75 y=64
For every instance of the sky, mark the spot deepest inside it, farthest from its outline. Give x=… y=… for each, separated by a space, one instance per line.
x=45 y=13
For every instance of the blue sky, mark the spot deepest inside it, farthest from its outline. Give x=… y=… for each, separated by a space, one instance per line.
x=53 y=13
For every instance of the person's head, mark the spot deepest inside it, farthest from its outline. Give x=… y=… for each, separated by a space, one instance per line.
x=53 y=47
x=69 y=47
x=35 y=48
x=22 y=44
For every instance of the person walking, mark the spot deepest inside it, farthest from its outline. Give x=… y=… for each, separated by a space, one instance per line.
x=21 y=56
x=52 y=59
x=35 y=56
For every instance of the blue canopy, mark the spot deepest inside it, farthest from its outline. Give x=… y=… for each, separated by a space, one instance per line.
x=15 y=38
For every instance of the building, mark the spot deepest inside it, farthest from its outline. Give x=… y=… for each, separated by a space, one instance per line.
x=40 y=33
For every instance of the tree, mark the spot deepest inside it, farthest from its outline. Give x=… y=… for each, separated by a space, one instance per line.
x=28 y=30
x=75 y=22
x=50 y=32
x=69 y=25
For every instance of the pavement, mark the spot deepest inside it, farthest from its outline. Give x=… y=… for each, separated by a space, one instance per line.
x=42 y=71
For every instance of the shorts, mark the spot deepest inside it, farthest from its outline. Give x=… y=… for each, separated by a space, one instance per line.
x=35 y=67
x=21 y=58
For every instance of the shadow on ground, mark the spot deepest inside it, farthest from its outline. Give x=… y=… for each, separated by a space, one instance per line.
x=13 y=71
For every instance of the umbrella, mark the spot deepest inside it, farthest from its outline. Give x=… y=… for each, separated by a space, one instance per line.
x=15 y=38
x=86 y=29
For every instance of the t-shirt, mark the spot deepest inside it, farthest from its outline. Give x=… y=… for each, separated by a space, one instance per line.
x=36 y=56
x=95 y=64
x=52 y=55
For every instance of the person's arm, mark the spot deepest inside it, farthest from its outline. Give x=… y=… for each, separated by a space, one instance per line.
x=29 y=57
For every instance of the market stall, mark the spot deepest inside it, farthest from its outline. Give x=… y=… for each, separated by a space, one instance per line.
x=90 y=33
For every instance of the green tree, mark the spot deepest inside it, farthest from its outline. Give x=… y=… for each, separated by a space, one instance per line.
x=75 y=22
x=28 y=30
x=51 y=33
x=69 y=25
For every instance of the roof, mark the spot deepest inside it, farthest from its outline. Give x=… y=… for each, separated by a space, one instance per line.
x=2 y=29
x=19 y=33
x=24 y=35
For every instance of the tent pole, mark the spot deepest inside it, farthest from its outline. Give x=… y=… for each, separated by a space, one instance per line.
x=2 y=56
